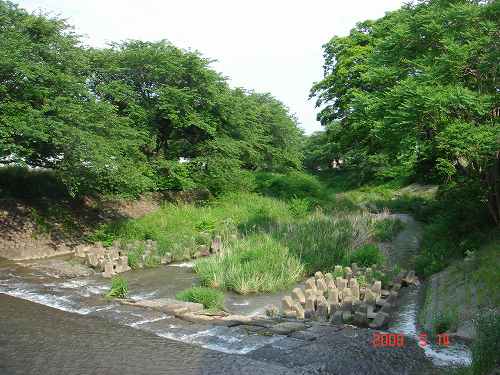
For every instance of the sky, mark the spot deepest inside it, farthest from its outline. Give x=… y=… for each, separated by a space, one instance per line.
x=265 y=45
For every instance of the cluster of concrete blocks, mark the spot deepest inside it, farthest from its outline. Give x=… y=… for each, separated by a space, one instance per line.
x=342 y=299
x=114 y=259
x=110 y=261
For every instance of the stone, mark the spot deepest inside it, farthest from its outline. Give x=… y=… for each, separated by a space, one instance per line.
x=360 y=319
x=310 y=303
x=396 y=287
x=287 y=328
x=333 y=296
x=92 y=259
x=81 y=251
x=216 y=245
x=271 y=311
x=381 y=319
x=166 y=259
x=321 y=285
x=108 y=269
x=329 y=277
x=355 y=268
x=204 y=251
x=386 y=308
x=299 y=310
x=310 y=283
x=330 y=284
x=167 y=305
x=369 y=298
x=362 y=308
x=346 y=316
x=385 y=293
x=352 y=282
x=409 y=278
x=355 y=292
x=347 y=304
x=392 y=298
x=123 y=264
x=322 y=309
x=336 y=318
x=299 y=296
x=112 y=253
x=377 y=288
x=341 y=283
x=346 y=293
x=319 y=275
x=290 y=314
x=370 y=313
x=287 y=303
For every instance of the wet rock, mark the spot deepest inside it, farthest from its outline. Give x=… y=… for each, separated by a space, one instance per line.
x=336 y=318
x=381 y=319
x=287 y=328
x=360 y=319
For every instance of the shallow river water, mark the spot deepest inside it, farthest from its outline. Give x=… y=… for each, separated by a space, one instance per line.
x=84 y=296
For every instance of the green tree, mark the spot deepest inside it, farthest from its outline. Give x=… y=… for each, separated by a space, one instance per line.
x=49 y=119
x=415 y=94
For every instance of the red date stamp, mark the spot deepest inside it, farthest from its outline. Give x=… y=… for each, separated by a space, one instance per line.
x=382 y=340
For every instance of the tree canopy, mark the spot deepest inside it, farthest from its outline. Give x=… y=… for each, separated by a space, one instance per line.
x=415 y=93
x=132 y=117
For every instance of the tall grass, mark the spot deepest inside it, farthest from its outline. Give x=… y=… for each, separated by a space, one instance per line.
x=181 y=228
x=257 y=263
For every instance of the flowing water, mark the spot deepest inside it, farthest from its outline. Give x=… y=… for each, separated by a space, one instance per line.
x=84 y=296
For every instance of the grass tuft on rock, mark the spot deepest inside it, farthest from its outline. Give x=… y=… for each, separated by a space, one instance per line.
x=119 y=288
x=211 y=299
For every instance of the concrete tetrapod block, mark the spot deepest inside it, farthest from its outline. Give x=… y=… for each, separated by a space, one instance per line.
x=338 y=270
x=355 y=292
x=299 y=311
x=341 y=283
x=299 y=296
x=321 y=285
x=380 y=320
x=377 y=288
x=322 y=309
x=287 y=303
x=333 y=296
x=370 y=298
x=352 y=282
x=360 y=319
x=329 y=277
x=336 y=318
x=310 y=283
x=108 y=269
x=310 y=308
x=386 y=308
x=330 y=284
x=347 y=304
x=346 y=293
x=319 y=275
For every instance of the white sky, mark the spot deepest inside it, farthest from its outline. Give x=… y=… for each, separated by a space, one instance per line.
x=269 y=46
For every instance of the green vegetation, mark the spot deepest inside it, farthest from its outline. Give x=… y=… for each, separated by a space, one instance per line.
x=367 y=255
x=444 y=322
x=120 y=120
x=211 y=299
x=486 y=347
x=386 y=229
x=119 y=288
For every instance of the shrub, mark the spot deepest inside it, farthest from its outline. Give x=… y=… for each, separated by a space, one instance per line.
x=444 y=322
x=119 y=288
x=289 y=186
x=210 y=298
x=258 y=263
x=387 y=229
x=486 y=346
x=367 y=255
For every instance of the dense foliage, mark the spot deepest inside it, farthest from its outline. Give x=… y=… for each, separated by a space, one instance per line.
x=415 y=94
x=132 y=117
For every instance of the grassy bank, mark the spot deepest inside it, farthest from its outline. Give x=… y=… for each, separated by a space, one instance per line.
x=269 y=242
